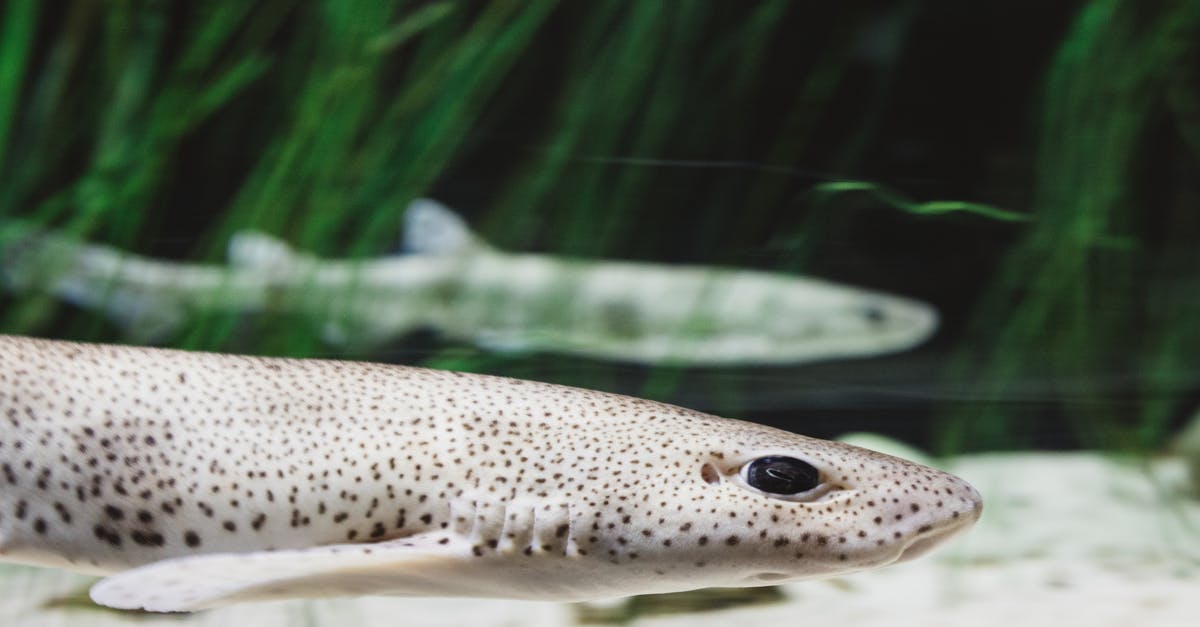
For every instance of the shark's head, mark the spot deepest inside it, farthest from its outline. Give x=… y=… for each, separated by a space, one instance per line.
x=752 y=505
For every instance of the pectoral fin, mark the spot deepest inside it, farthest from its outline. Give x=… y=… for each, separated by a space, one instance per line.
x=419 y=565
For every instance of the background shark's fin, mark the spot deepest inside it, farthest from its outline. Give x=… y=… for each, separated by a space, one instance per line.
x=255 y=249
x=431 y=228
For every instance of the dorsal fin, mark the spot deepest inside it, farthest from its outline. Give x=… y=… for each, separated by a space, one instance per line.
x=255 y=249
x=431 y=228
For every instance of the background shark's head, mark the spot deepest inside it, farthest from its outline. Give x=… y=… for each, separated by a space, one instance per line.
x=749 y=317
x=831 y=321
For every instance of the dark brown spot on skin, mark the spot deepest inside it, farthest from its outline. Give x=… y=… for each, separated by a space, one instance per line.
x=39 y=525
x=191 y=538
x=229 y=525
x=63 y=512
x=147 y=538
x=108 y=535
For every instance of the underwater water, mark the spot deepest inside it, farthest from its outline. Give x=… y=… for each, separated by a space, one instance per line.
x=969 y=228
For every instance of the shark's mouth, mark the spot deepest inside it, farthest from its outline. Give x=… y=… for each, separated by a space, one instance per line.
x=925 y=540
x=925 y=543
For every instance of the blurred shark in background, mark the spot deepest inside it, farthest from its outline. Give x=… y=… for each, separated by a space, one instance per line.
x=451 y=281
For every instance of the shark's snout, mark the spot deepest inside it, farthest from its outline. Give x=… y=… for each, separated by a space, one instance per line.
x=960 y=517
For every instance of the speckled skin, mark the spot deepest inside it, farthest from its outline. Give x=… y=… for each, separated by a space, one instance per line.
x=389 y=479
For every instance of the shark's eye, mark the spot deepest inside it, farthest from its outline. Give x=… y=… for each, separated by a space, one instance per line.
x=782 y=475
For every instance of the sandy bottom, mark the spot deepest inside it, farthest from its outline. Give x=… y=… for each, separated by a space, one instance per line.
x=1065 y=539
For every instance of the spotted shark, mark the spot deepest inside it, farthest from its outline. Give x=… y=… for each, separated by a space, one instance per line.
x=453 y=282
x=194 y=480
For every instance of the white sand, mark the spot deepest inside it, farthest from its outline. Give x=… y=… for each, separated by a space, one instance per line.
x=1065 y=539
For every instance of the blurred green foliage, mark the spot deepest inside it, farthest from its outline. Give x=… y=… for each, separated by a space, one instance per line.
x=763 y=134
x=1066 y=306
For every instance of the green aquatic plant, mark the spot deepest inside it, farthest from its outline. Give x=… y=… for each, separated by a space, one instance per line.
x=696 y=132
x=1067 y=311
x=370 y=105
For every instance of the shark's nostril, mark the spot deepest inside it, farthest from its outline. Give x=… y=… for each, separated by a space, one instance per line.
x=973 y=503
